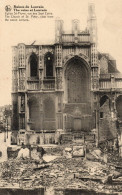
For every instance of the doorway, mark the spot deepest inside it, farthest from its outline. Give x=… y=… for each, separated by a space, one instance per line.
x=77 y=124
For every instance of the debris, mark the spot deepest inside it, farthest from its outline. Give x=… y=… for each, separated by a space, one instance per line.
x=23 y=153
x=118 y=167
x=67 y=152
x=117 y=174
x=43 y=166
x=107 y=179
x=78 y=151
x=97 y=153
x=49 y=191
x=97 y=179
x=63 y=172
x=35 y=155
x=49 y=158
x=90 y=156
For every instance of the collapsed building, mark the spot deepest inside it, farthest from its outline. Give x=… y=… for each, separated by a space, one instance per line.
x=66 y=87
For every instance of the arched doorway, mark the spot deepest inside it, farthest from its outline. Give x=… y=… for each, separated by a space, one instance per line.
x=77 y=94
x=77 y=81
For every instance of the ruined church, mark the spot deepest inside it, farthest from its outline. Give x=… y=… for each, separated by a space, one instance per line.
x=67 y=87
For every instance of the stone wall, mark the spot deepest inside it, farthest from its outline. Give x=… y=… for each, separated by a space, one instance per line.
x=12 y=191
x=107 y=125
x=103 y=65
x=15 y=124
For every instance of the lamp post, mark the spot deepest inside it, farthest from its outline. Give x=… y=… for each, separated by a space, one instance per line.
x=7 y=126
x=7 y=114
x=5 y=134
x=4 y=125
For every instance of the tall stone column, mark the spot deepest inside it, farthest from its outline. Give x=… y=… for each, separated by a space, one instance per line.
x=41 y=67
x=92 y=27
x=58 y=30
x=15 y=116
x=59 y=79
x=58 y=85
x=27 y=127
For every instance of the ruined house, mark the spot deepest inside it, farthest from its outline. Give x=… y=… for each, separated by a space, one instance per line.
x=68 y=86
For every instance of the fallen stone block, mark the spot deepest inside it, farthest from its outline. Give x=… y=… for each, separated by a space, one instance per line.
x=104 y=180
x=67 y=152
x=78 y=151
x=117 y=174
x=68 y=149
x=49 y=158
x=86 y=178
x=90 y=157
x=117 y=181
x=96 y=154
x=26 y=179
x=43 y=166
x=118 y=167
x=107 y=179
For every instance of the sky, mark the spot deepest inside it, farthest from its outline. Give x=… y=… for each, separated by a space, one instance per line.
x=109 y=25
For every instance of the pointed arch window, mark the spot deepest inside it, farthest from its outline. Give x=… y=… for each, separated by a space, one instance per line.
x=49 y=65
x=33 y=65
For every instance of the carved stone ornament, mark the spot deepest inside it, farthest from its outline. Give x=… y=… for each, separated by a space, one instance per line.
x=79 y=55
x=77 y=112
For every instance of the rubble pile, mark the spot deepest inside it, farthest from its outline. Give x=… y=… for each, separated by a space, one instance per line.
x=73 y=173
x=113 y=157
x=66 y=167
x=14 y=171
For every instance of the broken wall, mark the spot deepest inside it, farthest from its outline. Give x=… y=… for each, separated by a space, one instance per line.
x=107 y=126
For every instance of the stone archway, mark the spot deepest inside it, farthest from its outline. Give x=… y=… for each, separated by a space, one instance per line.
x=77 y=81
x=77 y=94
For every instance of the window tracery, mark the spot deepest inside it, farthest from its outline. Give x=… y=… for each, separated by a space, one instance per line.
x=77 y=82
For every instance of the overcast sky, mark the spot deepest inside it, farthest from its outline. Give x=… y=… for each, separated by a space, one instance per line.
x=109 y=22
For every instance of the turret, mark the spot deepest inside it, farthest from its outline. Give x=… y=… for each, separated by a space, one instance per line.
x=92 y=27
x=92 y=23
x=75 y=29
x=58 y=30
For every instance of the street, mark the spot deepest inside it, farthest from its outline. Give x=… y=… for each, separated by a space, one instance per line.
x=3 y=145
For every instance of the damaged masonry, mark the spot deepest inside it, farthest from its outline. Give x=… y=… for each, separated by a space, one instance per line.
x=67 y=116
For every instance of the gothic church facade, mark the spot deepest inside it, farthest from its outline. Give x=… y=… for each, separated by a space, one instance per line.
x=67 y=85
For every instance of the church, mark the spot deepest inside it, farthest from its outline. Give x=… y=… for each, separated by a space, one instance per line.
x=68 y=87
